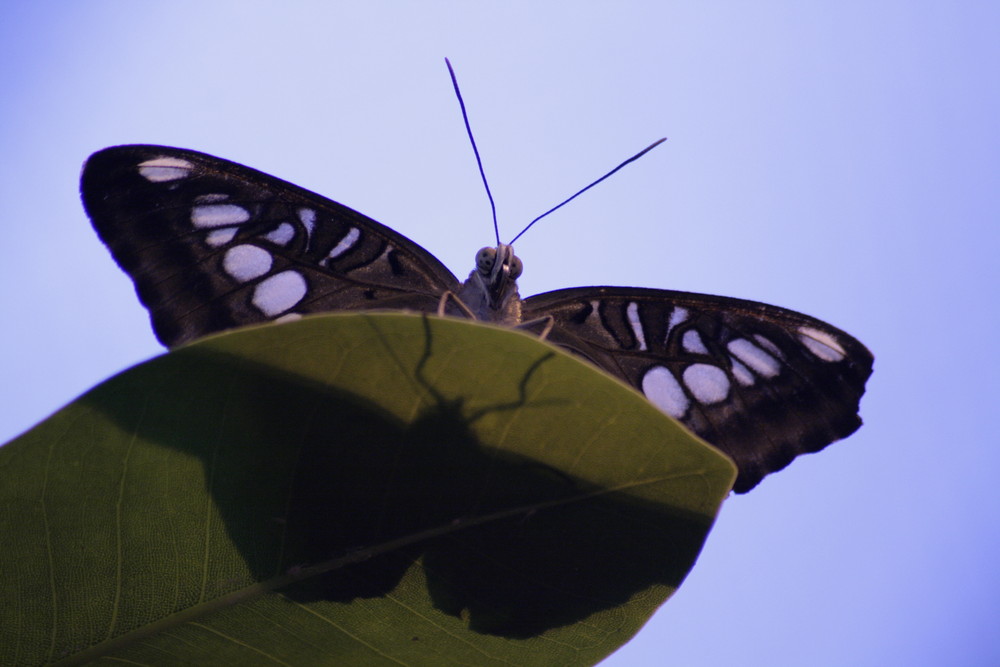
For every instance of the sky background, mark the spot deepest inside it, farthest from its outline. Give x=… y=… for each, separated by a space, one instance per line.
x=837 y=158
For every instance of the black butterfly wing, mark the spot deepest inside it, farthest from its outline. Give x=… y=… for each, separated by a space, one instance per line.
x=211 y=244
x=761 y=383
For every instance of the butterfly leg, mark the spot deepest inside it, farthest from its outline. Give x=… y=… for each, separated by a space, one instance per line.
x=447 y=296
x=546 y=323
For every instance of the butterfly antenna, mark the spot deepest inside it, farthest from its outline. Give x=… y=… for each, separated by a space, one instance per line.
x=563 y=203
x=468 y=128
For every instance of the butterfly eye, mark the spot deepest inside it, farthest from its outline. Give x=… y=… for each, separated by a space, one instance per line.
x=515 y=268
x=485 y=259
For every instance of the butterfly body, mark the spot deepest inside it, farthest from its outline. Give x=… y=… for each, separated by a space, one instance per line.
x=212 y=245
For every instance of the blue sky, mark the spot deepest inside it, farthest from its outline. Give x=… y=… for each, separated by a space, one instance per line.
x=840 y=159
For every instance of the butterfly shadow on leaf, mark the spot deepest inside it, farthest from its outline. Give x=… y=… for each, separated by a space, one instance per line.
x=313 y=480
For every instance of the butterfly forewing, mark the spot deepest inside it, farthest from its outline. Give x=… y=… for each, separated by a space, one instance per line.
x=761 y=383
x=212 y=244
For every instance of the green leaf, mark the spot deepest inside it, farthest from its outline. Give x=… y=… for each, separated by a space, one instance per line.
x=349 y=489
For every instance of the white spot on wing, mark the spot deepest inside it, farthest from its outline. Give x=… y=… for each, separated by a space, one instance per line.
x=246 y=262
x=281 y=234
x=632 y=310
x=677 y=316
x=276 y=294
x=692 y=342
x=754 y=357
x=594 y=307
x=707 y=383
x=165 y=169
x=768 y=345
x=741 y=373
x=218 y=237
x=822 y=344
x=350 y=238
x=211 y=198
x=308 y=218
x=662 y=389
x=218 y=215
x=288 y=317
x=384 y=257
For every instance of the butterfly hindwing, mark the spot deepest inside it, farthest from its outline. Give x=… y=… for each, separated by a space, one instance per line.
x=761 y=383
x=212 y=244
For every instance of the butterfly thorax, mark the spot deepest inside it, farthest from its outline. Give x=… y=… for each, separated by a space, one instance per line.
x=490 y=292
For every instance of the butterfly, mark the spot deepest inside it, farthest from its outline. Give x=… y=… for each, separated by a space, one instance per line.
x=212 y=245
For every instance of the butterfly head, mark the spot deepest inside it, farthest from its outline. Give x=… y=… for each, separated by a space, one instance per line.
x=498 y=265
x=491 y=290
x=498 y=268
